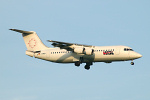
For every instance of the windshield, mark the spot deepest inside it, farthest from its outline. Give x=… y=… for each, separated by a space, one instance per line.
x=128 y=49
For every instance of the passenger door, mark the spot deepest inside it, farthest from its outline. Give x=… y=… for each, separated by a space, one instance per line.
x=117 y=51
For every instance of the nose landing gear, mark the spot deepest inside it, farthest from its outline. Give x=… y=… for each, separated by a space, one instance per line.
x=132 y=63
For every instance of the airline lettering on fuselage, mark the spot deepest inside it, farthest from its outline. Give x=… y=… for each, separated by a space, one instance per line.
x=108 y=53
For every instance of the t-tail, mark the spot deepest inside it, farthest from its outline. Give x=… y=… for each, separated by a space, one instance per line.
x=32 y=41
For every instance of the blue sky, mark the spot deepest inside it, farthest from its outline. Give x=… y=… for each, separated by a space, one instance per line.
x=97 y=22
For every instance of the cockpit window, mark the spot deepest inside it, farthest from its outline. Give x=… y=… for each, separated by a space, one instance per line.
x=128 y=49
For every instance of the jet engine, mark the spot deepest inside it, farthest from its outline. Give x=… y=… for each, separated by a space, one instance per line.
x=89 y=51
x=79 y=50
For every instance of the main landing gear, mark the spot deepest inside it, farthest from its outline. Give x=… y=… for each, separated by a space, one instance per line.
x=77 y=63
x=87 y=66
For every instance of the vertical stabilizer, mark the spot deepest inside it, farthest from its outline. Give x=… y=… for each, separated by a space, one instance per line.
x=32 y=41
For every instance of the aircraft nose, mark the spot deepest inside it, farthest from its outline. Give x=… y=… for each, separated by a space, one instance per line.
x=138 y=55
x=135 y=55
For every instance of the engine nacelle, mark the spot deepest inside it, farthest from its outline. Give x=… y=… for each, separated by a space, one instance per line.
x=79 y=50
x=89 y=51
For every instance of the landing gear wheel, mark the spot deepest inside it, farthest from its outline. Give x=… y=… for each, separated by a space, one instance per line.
x=132 y=63
x=77 y=63
x=87 y=67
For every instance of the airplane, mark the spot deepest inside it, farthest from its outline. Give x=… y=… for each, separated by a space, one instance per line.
x=64 y=52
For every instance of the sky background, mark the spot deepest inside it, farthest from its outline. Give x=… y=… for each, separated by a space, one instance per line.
x=91 y=22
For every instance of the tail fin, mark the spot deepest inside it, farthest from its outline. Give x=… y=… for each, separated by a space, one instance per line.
x=32 y=41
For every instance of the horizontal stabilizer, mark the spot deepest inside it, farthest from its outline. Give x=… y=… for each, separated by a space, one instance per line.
x=22 y=31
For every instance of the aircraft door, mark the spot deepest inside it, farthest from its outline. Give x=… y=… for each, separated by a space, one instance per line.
x=117 y=51
x=129 y=53
x=47 y=54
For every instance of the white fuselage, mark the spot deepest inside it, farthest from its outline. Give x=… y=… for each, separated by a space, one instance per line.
x=75 y=53
x=106 y=54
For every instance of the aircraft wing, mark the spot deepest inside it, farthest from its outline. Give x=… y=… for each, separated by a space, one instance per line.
x=67 y=46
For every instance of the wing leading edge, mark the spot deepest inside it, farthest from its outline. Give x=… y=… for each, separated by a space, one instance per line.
x=66 y=45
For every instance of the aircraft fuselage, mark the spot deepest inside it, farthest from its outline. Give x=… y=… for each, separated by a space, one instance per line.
x=106 y=54
x=75 y=53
